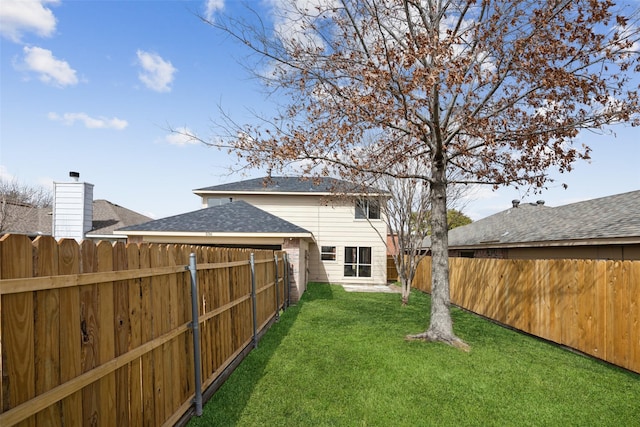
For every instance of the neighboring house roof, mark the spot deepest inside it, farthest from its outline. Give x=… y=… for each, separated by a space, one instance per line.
x=108 y=217
x=598 y=221
x=25 y=219
x=235 y=217
x=280 y=184
x=32 y=221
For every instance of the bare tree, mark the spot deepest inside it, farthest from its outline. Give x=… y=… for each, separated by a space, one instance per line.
x=497 y=89
x=18 y=200
x=407 y=208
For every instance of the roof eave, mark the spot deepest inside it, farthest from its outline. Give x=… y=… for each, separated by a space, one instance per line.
x=213 y=234
x=286 y=193
x=105 y=236
x=552 y=243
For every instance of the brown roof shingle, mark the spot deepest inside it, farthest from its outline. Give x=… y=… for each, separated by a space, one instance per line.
x=107 y=216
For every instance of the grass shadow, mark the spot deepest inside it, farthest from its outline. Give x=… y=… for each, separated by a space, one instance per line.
x=234 y=394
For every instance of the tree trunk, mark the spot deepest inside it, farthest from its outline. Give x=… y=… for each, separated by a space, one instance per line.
x=403 y=268
x=441 y=326
x=406 y=290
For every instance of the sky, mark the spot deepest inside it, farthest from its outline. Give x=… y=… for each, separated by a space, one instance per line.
x=95 y=87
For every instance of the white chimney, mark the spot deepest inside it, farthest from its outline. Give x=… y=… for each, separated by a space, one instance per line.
x=72 y=208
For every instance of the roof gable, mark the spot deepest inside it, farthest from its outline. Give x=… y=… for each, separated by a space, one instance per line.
x=235 y=217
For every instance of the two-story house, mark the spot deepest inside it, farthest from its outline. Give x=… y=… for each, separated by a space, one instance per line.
x=331 y=230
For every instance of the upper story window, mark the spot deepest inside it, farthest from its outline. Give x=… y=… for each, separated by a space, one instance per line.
x=217 y=201
x=367 y=209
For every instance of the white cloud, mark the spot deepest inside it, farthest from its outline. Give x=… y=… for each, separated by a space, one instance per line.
x=156 y=74
x=182 y=136
x=20 y=16
x=70 y=119
x=50 y=70
x=629 y=34
x=292 y=26
x=211 y=7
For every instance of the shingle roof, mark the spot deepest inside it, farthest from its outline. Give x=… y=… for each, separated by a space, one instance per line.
x=33 y=221
x=611 y=217
x=235 y=217
x=23 y=219
x=108 y=217
x=281 y=184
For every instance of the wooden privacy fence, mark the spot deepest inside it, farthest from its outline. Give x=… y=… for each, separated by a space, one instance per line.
x=392 y=272
x=589 y=305
x=102 y=334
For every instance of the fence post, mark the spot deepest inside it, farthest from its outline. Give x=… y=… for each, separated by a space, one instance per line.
x=195 y=326
x=277 y=289
x=253 y=300
x=287 y=291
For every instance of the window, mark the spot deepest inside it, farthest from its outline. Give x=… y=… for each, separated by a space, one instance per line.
x=357 y=261
x=367 y=209
x=328 y=253
x=217 y=201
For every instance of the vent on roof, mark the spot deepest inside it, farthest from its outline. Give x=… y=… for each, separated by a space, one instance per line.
x=515 y=203
x=540 y=203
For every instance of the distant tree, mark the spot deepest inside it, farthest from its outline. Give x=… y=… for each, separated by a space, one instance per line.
x=456 y=218
x=496 y=89
x=15 y=197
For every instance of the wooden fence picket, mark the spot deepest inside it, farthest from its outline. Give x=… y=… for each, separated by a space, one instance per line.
x=134 y=305
x=147 y=335
x=47 y=329
x=122 y=334
x=71 y=340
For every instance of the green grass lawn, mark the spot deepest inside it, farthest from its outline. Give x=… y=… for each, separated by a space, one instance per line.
x=340 y=359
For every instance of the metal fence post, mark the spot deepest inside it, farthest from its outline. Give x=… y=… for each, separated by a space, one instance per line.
x=253 y=300
x=277 y=289
x=195 y=326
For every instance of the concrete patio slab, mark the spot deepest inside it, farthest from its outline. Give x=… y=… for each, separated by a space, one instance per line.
x=372 y=288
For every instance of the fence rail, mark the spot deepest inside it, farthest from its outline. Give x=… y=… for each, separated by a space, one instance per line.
x=102 y=334
x=589 y=305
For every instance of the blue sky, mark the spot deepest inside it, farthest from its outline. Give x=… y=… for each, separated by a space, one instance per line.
x=93 y=86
